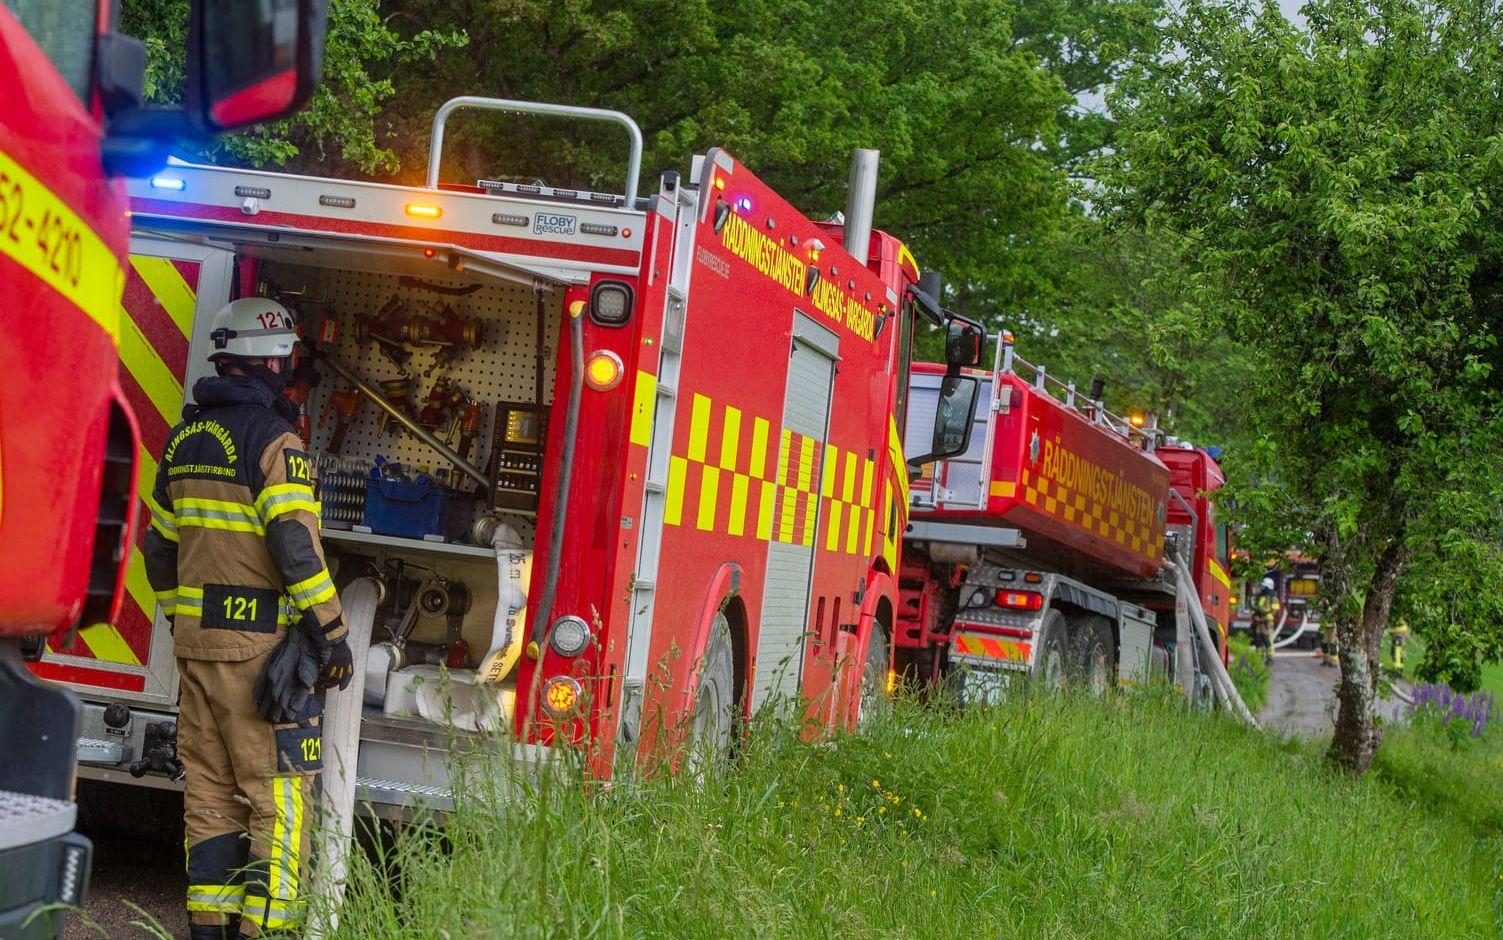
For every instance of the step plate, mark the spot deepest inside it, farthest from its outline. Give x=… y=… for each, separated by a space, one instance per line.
x=25 y=819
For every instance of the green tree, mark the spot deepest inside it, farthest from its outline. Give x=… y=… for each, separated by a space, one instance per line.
x=1338 y=188
x=361 y=55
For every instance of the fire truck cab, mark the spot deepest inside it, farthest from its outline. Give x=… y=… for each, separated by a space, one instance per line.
x=620 y=465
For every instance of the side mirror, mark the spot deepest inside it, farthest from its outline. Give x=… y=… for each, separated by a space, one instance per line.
x=954 y=416
x=252 y=60
x=962 y=344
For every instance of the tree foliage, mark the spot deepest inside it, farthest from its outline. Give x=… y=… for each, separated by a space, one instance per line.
x=1337 y=188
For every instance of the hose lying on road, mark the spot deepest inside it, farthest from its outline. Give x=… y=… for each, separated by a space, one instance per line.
x=1221 y=682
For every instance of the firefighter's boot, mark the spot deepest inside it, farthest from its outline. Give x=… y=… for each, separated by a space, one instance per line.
x=248 y=804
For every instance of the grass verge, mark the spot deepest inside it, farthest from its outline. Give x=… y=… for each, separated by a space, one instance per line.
x=1041 y=818
x=1249 y=672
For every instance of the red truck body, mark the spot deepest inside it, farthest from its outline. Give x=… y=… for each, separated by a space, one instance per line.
x=1047 y=545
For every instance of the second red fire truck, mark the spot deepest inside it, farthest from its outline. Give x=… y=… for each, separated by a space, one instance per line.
x=1050 y=547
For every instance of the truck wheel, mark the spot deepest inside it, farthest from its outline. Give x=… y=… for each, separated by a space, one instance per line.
x=713 y=719
x=873 y=680
x=1092 y=655
x=1052 y=665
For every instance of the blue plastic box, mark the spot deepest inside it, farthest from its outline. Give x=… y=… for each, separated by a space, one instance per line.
x=411 y=510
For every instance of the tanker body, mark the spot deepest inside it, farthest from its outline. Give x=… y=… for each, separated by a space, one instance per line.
x=1060 y=542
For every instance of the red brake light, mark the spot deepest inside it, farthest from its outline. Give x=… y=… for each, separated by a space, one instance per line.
x=1020 y=600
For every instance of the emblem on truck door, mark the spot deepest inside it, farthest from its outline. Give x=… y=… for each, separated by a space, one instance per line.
x=553 y=223
x=1033 y=447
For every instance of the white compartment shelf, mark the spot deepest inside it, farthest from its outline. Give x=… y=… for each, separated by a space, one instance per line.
x=398 y=543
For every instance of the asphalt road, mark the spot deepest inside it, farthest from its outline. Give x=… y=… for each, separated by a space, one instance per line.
x=1302 y=697
x=138 y=857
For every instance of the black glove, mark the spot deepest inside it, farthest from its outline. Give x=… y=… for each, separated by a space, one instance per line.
x=281 y=690
x=336 y=666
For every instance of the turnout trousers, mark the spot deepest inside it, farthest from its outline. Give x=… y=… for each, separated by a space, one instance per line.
x=249 y=802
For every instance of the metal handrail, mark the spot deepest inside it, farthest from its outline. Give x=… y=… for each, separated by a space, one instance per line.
x=1042 y=380
x=436 y=144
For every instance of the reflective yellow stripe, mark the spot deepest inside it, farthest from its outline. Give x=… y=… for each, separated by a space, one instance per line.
x=107 y=645
x=759 y=448
x=673 y=499
x=832 y=537
x=1219 y=573
x=643 y=403
x=730 y=438
x=283 y=498
x=709 y=497
x=167 y=285
x=59 y=248
x=149 y=371
x=827 y=471
x=167 y=600
x=216 y=899
x=699 y=428
x=737 y=523
x=282 y=867
x=764 y=510
x=312 y=591
x=217 y=514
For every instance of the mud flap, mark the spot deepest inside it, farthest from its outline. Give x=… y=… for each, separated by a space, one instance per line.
x=341 y=726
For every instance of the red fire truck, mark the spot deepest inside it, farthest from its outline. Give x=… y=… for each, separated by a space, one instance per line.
x=1051 y=545
x=71 y=121
x=620 y=466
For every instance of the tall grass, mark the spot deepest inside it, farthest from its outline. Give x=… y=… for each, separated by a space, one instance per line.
x=1041 y=818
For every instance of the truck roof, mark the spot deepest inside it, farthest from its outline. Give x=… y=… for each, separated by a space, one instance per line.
x=552 y=234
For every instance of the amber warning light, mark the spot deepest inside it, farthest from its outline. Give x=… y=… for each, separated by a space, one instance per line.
x=423 y=211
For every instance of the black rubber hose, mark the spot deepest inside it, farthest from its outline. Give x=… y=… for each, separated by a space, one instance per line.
x=561 y=495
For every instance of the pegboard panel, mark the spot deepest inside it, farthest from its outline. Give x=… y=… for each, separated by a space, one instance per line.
x=501 y=367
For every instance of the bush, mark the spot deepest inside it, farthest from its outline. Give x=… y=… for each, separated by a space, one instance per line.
x=1249 y=671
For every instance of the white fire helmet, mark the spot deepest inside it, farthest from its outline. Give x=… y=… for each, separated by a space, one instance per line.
x=1267 y=584
x=252 y=328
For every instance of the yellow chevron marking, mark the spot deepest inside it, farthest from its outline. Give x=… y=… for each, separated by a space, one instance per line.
x=160 y=385
x=764 y=510
x=832 y=537
x=736 y=525
x=644 y=401
x=699 y=428
x=730 y=438
x=709 y=493
x=169 y=288
x=107 y=645
x=759 y=448
x=673 y=503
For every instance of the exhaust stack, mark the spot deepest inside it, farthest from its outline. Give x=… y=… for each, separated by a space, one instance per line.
x=861 y=200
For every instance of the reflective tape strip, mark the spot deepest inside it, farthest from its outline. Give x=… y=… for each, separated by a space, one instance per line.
x=190 y=600
x=272 y=913
x=216 y=899
x=760 y=427
x=167 y=600
x=217 y=514
x=730 y=438
x=161 y=520
x=673 y=498
x=313 y=591
x=107 y=645
x=644 y=402
x=47 y=238
x=282 y=874
x=739 y=484
x=162 y=278
x=145 y=365
x=699 y=428
x=709 y=497
x=283 y=498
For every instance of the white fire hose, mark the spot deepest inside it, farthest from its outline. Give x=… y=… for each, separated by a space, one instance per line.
x=1221 y=681
x=1304 y=627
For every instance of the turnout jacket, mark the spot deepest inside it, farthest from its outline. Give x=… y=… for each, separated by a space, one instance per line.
x=233 y=551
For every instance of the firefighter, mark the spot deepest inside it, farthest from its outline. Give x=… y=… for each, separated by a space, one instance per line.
x=1329 y=651
x=1398 y=632
x=1265 y=609
x=234 y=557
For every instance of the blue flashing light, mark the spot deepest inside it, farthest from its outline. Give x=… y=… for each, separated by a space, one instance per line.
x=743 y=203
x=1214 y=451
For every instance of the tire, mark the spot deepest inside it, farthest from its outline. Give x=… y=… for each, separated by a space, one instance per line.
x=1051 y=666
x=712 y=723
x=874 y=702
x=1092 y=656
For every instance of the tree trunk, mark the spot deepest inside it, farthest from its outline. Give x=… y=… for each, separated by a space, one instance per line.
x=1357 y=734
